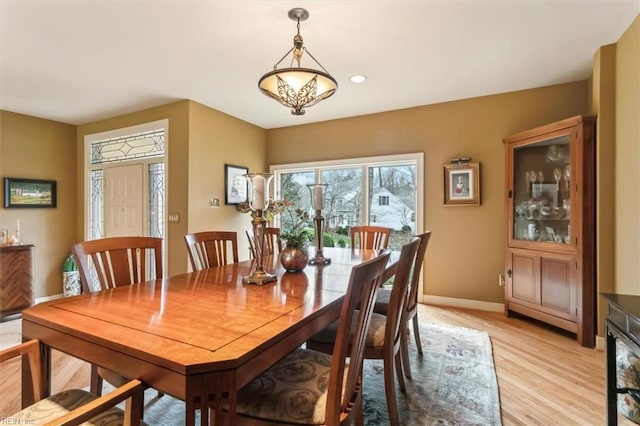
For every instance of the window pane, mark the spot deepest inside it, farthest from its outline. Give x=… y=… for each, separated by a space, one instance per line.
x=142 y=145
x=343 y=197
x=393 y=197
x=293 y=187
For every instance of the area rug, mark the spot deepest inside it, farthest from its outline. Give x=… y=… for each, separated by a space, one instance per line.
x=454 y=383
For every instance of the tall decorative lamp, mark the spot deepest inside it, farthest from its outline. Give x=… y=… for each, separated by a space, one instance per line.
x=296 y=86
x=258 y=203
x=317 y=203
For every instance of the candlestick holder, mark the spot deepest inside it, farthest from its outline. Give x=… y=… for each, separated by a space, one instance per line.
x=258 y=274
x=258 y=202
x=318 y=225
x=317 y=202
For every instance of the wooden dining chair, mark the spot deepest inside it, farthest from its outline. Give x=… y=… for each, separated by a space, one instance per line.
x=209 y=249
x=411 y=309
x=384 y=337
x=369 y=237
x=272 y=242
x=73 y=406
x=116 y=261
x=317 y=388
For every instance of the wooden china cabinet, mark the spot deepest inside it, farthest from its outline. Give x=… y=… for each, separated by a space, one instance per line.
x=550 y=206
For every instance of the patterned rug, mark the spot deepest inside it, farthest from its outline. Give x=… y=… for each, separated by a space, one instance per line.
x=454 y=383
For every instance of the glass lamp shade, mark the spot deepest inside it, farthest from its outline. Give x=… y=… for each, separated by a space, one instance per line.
x=317 y=195
x=298 y=88
x=258 y=190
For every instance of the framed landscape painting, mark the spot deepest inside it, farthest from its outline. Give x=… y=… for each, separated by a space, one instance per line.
x=29 y=193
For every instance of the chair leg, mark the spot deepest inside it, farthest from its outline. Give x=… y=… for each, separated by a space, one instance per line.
x=399 y=373
x=96 y=381
x=416 y=331
x=404 y=353
x=389 y=387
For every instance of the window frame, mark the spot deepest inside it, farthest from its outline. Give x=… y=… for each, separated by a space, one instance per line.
x=365 y=163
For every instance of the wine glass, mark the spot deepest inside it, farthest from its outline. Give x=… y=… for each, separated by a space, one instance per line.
x=527 y=180
x=540 y=177
x=557 y=175
x=567 y=176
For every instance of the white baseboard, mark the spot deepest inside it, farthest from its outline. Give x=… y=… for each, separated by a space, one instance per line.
x=463 y=303
x=47 y=298
x=600 y=343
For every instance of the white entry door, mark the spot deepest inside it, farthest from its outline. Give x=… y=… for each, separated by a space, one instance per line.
x=124 y=201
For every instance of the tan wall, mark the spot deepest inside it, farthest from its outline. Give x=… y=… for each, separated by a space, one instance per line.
x=35 y=148
x=603 y=104
x=466 y=252
x=177 y=171
x=216 y=138
x=627 y=157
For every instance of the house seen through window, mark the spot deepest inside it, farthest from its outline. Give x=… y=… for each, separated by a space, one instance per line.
x=381 y=191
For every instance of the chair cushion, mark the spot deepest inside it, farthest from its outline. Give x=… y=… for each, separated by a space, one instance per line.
x=375 y=332
x=628 y=376
x=61 y=403
x=294 y=390
x=383 y=296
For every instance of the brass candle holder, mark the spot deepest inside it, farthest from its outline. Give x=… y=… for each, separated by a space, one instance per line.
x=317 y=203
x=258 y=203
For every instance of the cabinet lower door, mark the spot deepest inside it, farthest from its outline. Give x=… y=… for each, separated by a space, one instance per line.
x=542 y=283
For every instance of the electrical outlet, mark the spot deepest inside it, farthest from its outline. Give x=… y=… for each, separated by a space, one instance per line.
x=174 y=217
x=501 y=280
x=214 y=202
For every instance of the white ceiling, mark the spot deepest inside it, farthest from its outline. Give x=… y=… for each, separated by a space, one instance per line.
x=81 y=61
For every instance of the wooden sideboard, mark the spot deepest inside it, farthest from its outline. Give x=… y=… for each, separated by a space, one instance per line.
x=16 y=278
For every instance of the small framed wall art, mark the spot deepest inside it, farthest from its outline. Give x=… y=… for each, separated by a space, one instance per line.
x=29 y=193
x=235 y=184
x=462 y=184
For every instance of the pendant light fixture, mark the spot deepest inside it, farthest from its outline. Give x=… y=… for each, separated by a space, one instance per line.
x=298 y=87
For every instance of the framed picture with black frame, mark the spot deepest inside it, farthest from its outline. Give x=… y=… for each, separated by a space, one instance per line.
x=29 y=193
x=235 y=184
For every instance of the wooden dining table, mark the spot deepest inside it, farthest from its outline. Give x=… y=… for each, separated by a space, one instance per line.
x=198 y=336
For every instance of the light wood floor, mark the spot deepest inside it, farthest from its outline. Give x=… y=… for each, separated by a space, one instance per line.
x=545 y=377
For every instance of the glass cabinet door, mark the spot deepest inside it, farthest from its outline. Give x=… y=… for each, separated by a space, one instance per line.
x=541 y=196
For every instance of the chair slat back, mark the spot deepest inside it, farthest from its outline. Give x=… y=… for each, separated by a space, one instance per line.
x=209 y=249
x=30 y=349
x=118 y=261
x=272 y=242
x=399 y=293
x=370 y=237
x=412 y=300
x=344 y=391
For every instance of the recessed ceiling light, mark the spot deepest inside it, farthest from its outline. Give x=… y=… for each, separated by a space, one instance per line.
x=358 y=78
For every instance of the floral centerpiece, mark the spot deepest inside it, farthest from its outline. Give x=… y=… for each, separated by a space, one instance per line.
x=274 y=208
x=296 y=235
x=294 y=255
x=294 y=231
